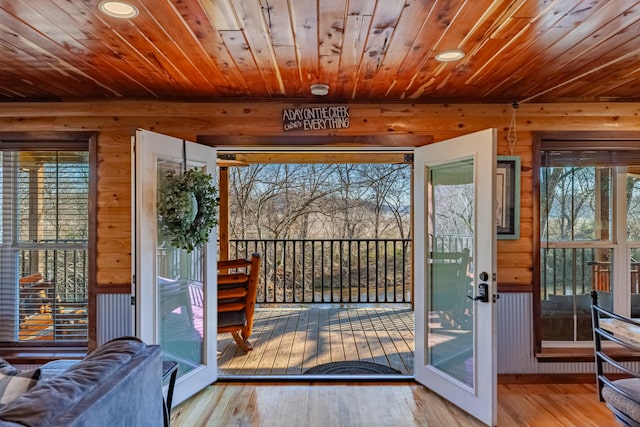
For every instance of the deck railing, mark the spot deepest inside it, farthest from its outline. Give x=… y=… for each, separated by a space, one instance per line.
x=330 y=270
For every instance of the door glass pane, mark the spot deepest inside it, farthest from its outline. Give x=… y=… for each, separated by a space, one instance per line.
x=451 y=207
x=180 y=278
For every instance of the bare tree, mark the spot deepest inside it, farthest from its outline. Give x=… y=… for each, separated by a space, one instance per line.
x=389 y=193
x=320 y=200
x=277 y=201
x=346 y=212
x=243 y=184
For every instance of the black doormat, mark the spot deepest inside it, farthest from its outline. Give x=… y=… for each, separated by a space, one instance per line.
x=351 y=367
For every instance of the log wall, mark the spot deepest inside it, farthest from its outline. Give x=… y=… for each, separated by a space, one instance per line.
x=115 y=121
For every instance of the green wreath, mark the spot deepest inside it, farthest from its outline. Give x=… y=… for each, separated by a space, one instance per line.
x=188 y=206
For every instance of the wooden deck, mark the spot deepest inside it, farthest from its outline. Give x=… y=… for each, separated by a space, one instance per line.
x=288 y=341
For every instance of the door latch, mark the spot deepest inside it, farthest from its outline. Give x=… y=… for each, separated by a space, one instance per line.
x=483 y=293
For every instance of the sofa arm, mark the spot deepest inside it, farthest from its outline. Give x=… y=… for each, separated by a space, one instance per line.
x=120 y=383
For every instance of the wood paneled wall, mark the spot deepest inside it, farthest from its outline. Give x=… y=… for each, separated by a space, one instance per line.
x=115 y=122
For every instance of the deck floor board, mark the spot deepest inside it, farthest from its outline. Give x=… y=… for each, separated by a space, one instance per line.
x=290 y=340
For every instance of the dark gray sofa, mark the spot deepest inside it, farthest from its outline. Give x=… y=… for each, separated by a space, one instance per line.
x=119 y=384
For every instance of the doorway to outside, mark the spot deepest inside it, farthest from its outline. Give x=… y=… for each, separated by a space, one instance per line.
x=333 y=231
x=445 y=201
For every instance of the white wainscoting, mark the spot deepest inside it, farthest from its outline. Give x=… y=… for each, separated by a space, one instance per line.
x=515 y=340
x=114 y=317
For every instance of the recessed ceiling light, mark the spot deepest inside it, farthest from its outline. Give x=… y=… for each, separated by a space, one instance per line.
x=118 y=9
x=319 y=89
x=450 y=55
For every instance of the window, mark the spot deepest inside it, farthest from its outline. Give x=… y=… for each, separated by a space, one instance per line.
x=44 y=273
x=589 y=234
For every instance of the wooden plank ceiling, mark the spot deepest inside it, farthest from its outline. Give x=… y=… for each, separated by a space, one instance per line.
x=365 y=50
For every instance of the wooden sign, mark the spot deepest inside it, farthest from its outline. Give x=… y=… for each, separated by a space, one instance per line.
x=315 y=118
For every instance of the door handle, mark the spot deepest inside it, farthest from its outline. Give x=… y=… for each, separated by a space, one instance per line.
x=483 y=293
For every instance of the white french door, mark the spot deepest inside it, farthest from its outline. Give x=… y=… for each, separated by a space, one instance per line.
x=175 y=290
x=455 y=265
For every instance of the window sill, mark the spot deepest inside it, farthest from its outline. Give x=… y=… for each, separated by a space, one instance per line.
x=26 y=355
x=581 y=354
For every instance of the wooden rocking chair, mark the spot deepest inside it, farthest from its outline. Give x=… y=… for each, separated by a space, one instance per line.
x=237 y=298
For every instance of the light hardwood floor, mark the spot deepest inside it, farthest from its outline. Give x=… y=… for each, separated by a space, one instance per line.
x=383 y=405
x=290 y=340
